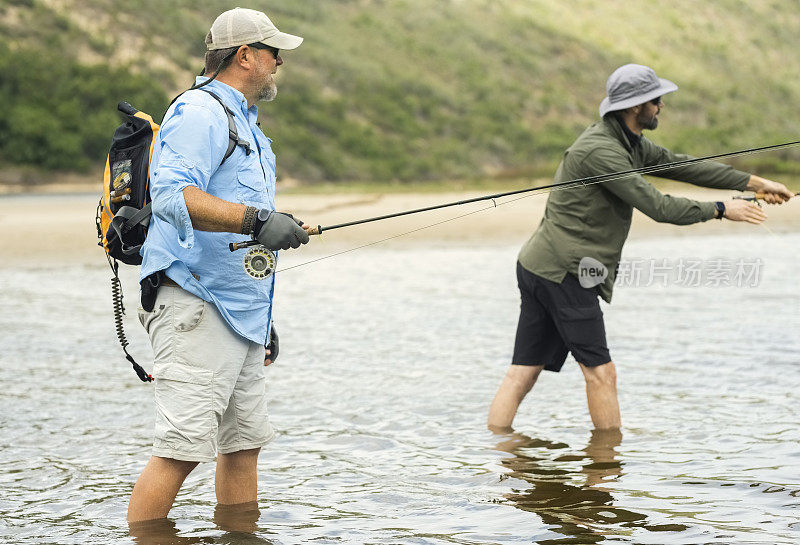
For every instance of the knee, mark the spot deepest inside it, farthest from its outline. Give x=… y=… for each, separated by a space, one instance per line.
x=173 y=466
x=188 y=467
x=523 y=377
x=240 y=458
x=602 y=375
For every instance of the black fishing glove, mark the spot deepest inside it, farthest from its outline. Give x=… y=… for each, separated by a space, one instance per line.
x=273 y=346
x=278 y=230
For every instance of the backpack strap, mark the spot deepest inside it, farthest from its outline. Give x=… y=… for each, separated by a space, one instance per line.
x=233 y=134
x=126 y=219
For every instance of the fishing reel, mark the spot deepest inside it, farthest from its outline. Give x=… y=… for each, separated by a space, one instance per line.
x=259 y=262
x=754 y=199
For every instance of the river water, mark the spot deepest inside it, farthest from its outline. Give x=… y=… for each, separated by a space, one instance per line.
x=390 y=357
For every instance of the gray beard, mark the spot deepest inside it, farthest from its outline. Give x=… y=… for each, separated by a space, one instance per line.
x=268 y=92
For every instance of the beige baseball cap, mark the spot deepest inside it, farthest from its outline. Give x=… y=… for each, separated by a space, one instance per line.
x=242 y=26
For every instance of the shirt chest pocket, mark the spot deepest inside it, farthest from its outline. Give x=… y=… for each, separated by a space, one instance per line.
x=252 y=186
x=269 y=159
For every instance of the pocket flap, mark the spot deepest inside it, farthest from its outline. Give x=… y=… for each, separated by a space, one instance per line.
x=181 y=372
x=251 y=175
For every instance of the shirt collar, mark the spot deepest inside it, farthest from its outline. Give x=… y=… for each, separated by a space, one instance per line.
x=633 y=138
x=229 y=95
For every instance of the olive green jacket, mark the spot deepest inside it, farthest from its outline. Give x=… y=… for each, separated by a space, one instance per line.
x=593 y=220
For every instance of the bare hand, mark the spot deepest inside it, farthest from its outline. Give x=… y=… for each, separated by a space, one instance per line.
x=267 y=359
x=774 y=192
x=740 y=210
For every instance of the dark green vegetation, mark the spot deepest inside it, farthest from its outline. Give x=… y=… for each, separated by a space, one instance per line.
x=61 y=115
x=408 y=90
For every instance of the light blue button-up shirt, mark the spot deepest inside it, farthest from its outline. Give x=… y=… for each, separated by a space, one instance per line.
x=188 y=151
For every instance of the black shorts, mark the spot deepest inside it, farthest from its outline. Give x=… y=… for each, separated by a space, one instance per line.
x=555 y=319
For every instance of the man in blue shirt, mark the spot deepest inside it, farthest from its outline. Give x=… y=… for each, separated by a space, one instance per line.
x=210 y=319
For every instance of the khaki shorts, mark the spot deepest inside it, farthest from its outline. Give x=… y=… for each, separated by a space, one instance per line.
x=210 y=386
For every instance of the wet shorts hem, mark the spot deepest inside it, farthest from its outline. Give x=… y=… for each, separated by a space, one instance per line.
x=594 y=364
x=556 y=366
x=183 y=456
x=236 y=447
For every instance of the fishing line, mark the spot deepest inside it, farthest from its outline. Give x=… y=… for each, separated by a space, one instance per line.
x=495 y=205
x=394 y=236
x=530 y=192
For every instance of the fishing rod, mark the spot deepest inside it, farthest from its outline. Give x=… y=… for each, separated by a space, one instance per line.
x=756 y=197
x=589 y=180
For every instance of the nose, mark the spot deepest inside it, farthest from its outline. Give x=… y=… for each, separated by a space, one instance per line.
x=278 y=60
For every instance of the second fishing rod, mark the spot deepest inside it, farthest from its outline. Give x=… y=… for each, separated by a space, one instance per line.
x=589 y=180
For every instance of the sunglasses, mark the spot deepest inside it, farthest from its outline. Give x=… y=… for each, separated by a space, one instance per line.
x=656 y=101
x=271 y=49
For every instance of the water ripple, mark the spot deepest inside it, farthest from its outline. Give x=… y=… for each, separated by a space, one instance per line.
x=381 y=408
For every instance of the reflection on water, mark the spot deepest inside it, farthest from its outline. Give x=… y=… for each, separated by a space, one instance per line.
x=567 y=506
x=239 y=518
x=238 y=522
x=577 y=504
x=159 y=532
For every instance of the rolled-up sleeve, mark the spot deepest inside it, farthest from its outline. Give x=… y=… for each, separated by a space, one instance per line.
x=191 y=144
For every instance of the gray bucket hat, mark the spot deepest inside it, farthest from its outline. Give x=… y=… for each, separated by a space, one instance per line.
x=631 y=85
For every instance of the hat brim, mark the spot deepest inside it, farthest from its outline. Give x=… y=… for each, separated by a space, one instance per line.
x=282 y=40
x=666 y=86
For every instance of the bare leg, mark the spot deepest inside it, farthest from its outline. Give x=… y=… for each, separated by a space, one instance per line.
x=240 y=517
x=235 y=480
x=155 y=491
x=516 y=384
x=601 y=394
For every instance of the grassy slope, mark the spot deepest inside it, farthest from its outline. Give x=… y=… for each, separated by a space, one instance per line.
x=735 y=62
x=422 y=89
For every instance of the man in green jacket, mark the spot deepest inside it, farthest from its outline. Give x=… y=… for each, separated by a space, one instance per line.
x=572 y=257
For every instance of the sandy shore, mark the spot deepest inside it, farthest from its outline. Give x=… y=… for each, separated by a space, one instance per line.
x=61 y=226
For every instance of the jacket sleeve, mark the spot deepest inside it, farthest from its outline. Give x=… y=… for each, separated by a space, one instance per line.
x=191 y=144
x=642 y=195
x=705 y=174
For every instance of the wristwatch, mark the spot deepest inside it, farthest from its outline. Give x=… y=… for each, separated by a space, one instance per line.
x=720 y=206
x=261 y=218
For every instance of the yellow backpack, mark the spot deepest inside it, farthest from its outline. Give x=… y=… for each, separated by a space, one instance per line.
x=123 y=213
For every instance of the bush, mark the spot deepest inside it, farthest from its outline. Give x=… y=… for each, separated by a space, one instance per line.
x=61 y=115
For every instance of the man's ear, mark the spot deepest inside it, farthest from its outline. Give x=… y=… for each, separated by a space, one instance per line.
x=243 y=56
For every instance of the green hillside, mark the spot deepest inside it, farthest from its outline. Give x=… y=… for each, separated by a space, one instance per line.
x=408 y=89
